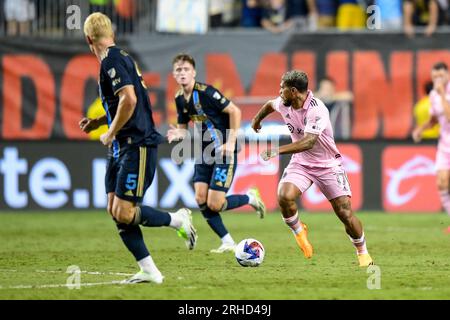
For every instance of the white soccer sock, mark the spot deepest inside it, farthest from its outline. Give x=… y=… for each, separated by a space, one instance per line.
x=360 y=244
x=227 y=239
x=251 y=200
x=147 y=265
x=445 y=200
x=294 y=223
x=175 y=220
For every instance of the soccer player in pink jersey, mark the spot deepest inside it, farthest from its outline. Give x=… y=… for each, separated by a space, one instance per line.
x=440 y=113
x=315 y=159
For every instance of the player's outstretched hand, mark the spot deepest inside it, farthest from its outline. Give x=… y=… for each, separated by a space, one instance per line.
x=87 y=124
x=417 y=135
x=268 y=154
x=256 y=125
x=106 y=139
x=439 y=85
x=175 y=134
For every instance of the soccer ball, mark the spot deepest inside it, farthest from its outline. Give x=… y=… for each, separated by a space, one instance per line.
x=249 y=253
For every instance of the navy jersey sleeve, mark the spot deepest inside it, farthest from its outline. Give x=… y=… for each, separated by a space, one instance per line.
x=218 y=100
x=117 y=72
x=183 y=115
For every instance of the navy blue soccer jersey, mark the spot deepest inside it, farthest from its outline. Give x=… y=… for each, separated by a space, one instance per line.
x=212 y=103
x=118 y=70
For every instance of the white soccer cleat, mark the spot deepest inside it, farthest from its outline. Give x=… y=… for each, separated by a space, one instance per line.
x=256 y=202
x=225 y=247
x=187 y=230
x=143 y=276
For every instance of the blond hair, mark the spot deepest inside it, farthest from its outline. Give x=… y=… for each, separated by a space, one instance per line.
x=97 y=26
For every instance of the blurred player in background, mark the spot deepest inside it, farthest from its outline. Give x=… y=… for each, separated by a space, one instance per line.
x=440 y=113
x=220 y=120
x=132 y=140
x=315 y=159
x=422 y=113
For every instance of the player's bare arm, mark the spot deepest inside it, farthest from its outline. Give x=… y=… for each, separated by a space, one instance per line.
x=440 y=86
x=125 y=109
x=433 y=18
x=306 y=143
x=235 y=122
x=266 y=109
x=87 y=124
x=408 y=12
x=417 y=133
x=177 y=133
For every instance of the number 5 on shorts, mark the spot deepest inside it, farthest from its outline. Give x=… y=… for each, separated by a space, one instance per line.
x=131 y=181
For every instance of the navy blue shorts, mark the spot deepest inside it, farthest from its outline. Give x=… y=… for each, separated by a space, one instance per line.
x=130 y=175
x=218 y=176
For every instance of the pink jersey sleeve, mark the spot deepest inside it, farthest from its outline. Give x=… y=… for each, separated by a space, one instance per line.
x=276 y=104
x=317 y=120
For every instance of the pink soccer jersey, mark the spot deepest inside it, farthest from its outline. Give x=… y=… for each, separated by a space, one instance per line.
x=313 y=118
x=437 y=110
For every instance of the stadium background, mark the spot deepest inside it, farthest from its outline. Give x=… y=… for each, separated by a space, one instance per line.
x=48 y=82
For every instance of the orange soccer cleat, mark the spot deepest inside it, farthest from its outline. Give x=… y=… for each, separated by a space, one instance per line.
x=303 y=243
x=365 y=260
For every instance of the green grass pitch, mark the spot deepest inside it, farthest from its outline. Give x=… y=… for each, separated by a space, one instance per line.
x=411 y=251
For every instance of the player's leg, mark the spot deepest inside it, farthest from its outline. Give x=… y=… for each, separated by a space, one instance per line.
x=202 y=178
x=334 y=184
x=136 y=175
x=288 y=193
x=442 y=180
x=109 y=206
x=213 y=218
x=223 y=175
x=133 y=239
x=443 y=184
x=353 y=226
x=215 y=202
x=131 y=235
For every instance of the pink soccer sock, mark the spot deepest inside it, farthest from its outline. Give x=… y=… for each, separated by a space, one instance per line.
x=360 y=244
x=445 y=200
x=294 y=223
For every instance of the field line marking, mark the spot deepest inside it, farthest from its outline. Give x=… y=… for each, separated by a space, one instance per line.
x=45 y=286
x=83 y=272
x=88 y=272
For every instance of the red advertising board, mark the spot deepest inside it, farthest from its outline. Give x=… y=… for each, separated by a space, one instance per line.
x=409 y=180
x=252 y=171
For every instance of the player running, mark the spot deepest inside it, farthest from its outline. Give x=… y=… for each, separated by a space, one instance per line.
x=315 y=159
x=132 y=140
x=220 y=120
x=440 y=113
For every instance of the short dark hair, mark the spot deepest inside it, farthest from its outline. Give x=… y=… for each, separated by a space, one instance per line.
x=440 y=65
x=184 y=57
x=296 y=79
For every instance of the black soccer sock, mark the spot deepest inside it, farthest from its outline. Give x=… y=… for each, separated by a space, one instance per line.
x=235 y=201
x=214 y=220
x=149 y=217
x=132 y=238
